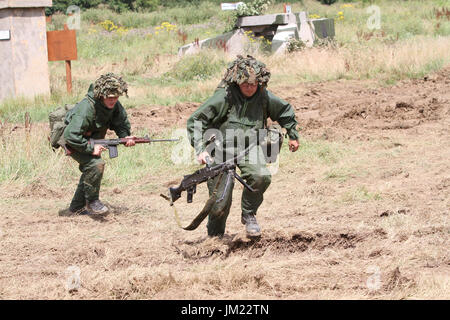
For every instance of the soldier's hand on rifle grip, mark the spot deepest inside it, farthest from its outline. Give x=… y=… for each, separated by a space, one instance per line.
x=293 y=145
x=98 y=148
x=201 y=158
x=130 y=142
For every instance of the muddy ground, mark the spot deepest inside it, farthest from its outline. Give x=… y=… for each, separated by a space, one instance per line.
x=361 y=211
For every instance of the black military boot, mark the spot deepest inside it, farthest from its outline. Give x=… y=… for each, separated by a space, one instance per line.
x=251 y=225
x=97 y=207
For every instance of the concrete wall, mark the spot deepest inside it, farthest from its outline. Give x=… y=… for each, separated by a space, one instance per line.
x=23 y=58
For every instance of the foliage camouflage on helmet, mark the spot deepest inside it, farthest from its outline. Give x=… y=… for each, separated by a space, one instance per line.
x=247 y=69
x=110 y=84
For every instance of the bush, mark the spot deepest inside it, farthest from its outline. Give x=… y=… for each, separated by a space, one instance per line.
x=116 y=5
x=147 y=5
x=254 y=8
x=199 y=66
x=62 y=5
x=294 y=45
x=327 y=1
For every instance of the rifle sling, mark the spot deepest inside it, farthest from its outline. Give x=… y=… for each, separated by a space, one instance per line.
x=206 y=209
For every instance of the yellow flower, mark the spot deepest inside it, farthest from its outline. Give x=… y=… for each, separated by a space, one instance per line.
x=122 y=31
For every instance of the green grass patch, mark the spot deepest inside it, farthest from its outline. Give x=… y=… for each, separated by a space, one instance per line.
x=312 y=153
x=198 y=67
x=360 y=194
x=339 y=174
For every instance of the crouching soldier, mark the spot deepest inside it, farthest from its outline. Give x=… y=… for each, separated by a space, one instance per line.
x=240 y=104
x=99 y=111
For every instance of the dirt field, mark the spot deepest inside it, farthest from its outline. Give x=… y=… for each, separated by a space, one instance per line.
x=361 y=211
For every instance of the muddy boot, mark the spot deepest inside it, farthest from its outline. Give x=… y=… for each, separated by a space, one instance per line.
x=96 y=206
x=74 y=212
x=83 y=212
x=251 y=225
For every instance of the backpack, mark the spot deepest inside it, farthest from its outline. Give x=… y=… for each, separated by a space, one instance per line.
x=57 y=125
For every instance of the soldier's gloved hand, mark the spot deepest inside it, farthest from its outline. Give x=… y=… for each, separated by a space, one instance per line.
x=131 y=141
x=98 y=148
x=201 y=158
x=293 y=145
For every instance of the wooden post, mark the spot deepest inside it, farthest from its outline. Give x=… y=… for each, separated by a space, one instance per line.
x=69 y=76
x=68 y=70
x=27 y=133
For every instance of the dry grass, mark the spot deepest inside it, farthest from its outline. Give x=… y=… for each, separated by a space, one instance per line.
x=360 y=212
x=325 y=236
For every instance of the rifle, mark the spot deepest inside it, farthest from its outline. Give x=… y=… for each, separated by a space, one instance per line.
x=112 y=144
x=190 y=182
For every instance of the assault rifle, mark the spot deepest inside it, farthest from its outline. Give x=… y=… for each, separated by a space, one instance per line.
x=112 y=144
x=190 y=182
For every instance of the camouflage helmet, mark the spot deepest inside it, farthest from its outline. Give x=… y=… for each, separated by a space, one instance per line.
x=247 y=69
x=110 y=85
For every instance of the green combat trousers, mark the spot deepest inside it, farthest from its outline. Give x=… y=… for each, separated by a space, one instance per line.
x=257 y=176
x=88 y=188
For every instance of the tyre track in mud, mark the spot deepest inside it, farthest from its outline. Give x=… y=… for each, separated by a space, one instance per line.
x=283 y=244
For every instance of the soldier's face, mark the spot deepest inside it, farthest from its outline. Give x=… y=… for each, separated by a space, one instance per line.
x=248 y=89
x=110 y=102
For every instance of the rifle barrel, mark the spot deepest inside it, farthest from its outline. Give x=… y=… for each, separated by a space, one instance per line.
x=147 y=140
x=163 y=140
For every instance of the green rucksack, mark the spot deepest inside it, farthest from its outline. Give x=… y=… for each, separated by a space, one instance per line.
x=57 y=125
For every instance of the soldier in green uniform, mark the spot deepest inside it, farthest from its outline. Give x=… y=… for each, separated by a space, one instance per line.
x=241 y=104
x=99 y=111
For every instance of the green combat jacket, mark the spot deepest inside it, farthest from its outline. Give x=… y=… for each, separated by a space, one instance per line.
x=233 y=111
x=91 y=119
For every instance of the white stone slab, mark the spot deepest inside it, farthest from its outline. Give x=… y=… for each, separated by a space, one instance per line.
x=283 y=35
x=267 y=19
x=306 y=32
x=5 y=35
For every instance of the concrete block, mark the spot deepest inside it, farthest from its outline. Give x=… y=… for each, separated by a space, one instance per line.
x=283 y=35
x=324 y=27
x=264 y=20
x=278 y=28
x=305 y=32
x=232 y=42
